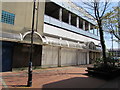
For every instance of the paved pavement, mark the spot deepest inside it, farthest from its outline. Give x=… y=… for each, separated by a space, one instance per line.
x=62 y=77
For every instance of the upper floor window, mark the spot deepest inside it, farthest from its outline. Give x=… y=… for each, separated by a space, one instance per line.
x=62 y=14
x=7 y=17
x=65 y=16
x=73 y=19
x=51 y=9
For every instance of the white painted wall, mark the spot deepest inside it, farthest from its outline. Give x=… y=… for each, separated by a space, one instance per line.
x=49 y=29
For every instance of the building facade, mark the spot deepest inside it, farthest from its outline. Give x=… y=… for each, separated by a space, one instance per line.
x=64 y=34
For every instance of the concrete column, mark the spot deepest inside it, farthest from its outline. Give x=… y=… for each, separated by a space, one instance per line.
x=77 y=22
x=83 y=25
x=89 y=27
x=77 y=54
x=70 y=18
x=60 y=14
x=59 y=57
x=40 y=22
x=88 y=59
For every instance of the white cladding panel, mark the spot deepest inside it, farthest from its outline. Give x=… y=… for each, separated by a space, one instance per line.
x=50 y=56
x=49 y=29
x=82 y=58
x=68 y=56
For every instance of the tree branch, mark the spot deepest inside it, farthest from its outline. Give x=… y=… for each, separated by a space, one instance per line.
x=104 y=9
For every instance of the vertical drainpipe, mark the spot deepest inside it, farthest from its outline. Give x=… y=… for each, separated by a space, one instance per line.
x=37 y=7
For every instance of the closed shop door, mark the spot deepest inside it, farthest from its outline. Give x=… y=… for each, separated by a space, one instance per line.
x=50 y=56
x=21 y=55
x=82 y=58
x=68 y=56
x=7 y=51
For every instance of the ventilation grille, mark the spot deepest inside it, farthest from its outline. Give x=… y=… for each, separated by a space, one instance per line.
x=7 y=17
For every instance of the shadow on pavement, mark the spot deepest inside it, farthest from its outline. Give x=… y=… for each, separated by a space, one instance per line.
x=19 y=86
x=101 y=77
x=77 y=82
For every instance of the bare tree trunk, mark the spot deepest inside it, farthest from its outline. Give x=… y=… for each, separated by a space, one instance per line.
x=102 y=41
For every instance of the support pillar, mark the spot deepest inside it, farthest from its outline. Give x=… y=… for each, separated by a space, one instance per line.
x=59 y=57
x=89 y=27
x=88 y=58
x=77 y=22
x=77 y=54
x=70 y=18
x=83 y=25
x=60 y=14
